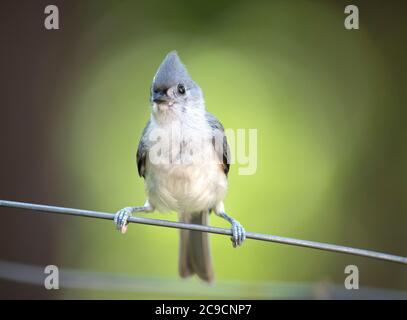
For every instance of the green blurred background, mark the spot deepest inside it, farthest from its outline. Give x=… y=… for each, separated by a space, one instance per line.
x=328 y=105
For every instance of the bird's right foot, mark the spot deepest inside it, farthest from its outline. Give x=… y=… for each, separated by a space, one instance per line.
x=121 y=217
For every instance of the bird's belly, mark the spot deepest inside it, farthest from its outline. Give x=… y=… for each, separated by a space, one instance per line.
x=185 y=188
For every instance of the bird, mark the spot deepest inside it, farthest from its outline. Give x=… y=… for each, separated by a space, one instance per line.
x=184 y=157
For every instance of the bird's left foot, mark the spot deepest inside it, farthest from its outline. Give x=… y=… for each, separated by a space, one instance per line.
x=238 y=232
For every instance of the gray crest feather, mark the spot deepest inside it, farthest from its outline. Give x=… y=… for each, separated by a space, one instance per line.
x=171 y=72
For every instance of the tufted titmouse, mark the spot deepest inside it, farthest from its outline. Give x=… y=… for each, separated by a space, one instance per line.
x=183 y=156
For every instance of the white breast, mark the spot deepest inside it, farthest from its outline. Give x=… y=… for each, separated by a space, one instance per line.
x=189 y=178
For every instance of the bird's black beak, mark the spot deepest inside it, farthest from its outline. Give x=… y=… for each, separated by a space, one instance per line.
x=160 y=97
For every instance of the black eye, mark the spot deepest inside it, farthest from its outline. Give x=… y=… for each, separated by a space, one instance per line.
x=181 y=88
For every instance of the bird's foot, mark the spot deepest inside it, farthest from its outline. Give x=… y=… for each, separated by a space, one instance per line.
x=238 y=233
x=121 y=217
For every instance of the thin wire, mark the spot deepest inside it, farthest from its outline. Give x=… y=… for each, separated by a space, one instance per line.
x=194 y=227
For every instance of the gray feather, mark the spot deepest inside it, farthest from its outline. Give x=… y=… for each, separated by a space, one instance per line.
x=142 y=151
x=218 y=132
x=170 y=73
x=194 y=257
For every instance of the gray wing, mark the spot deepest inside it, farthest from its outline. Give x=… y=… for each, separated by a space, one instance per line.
x=222 y=148
x=142 y=152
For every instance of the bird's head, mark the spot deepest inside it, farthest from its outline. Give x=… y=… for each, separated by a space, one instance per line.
x=173 y=91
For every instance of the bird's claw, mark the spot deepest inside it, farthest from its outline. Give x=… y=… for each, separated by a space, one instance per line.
x=238 y=234
x=120 y=219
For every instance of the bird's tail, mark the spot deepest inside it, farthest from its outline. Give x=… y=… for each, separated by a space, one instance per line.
x=194 y=255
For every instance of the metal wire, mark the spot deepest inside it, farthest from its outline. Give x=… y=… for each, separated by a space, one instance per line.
x=181 y=225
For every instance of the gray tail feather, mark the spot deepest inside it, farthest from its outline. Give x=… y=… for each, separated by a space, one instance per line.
x=195 y=256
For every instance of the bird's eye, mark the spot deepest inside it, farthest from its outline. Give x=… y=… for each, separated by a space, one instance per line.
x=181 y=88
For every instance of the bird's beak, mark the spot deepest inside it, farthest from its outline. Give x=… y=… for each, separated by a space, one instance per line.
x=160 y=97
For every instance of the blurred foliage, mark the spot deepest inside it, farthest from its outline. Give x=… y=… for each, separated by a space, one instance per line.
x=322 y=99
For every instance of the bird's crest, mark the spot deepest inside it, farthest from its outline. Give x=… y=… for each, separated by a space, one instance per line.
x=171 y=72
